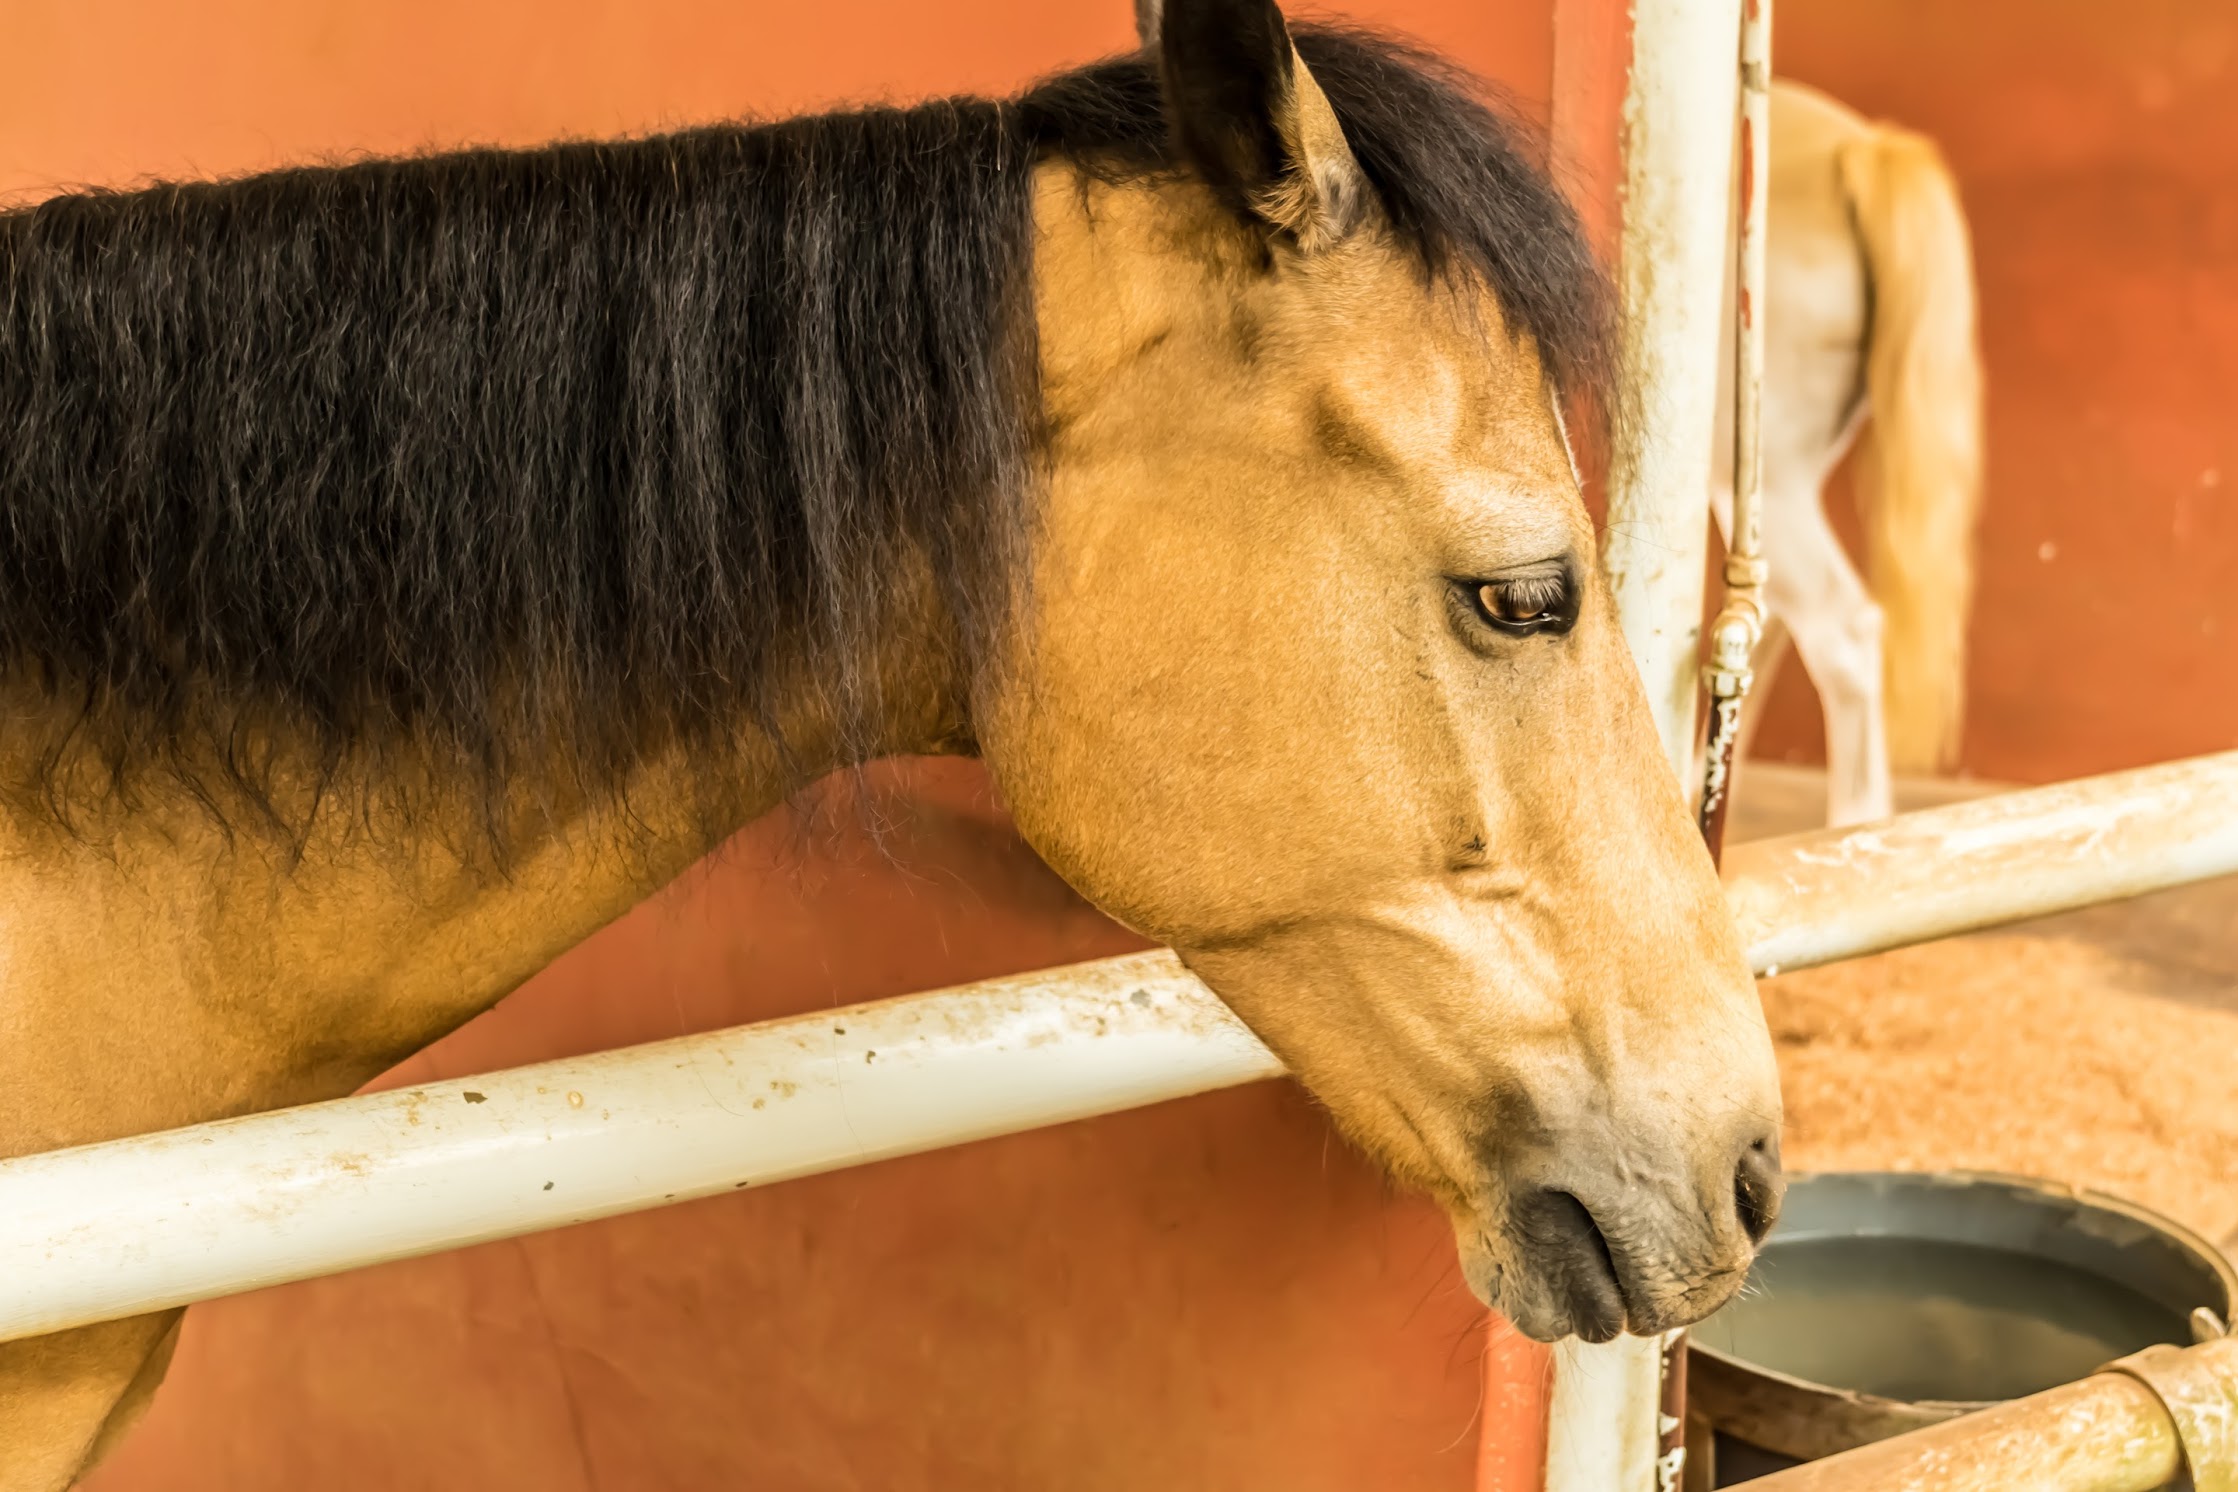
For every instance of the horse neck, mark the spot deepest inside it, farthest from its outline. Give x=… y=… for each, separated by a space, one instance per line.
x=160 y=967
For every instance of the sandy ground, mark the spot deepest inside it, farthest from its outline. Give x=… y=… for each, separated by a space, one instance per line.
x=2098 y=1048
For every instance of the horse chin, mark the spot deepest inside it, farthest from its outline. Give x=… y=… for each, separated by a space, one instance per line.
x=1535 y=1303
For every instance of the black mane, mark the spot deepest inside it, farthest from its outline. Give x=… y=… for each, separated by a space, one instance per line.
x=506 y=454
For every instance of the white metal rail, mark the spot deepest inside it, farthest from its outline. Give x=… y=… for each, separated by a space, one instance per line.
x=111 y=1230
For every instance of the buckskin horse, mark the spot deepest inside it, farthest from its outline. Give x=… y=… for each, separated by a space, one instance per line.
x=407 y=565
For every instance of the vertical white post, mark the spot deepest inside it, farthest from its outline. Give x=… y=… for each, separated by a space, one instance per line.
x=1679 y=108
x=1601 y=1428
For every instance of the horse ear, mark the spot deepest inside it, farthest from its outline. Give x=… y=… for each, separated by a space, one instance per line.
x=1252 y=120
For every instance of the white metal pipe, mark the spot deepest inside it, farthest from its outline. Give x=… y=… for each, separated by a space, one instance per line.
x=1818 y=898
x=1602 y=1416
x=162 y=1220
x=1679 y=103
x=1680 y=99
x=1752 y=193
x=135 y=1225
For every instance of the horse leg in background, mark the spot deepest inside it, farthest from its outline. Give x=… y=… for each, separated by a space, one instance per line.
x=1836 y=624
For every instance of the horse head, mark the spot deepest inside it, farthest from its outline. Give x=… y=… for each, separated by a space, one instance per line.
x=1316 y=680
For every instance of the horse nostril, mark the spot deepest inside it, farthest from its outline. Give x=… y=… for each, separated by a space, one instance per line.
x=1756 y=1189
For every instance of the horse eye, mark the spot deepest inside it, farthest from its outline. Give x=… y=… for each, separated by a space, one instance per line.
x=1525 y=603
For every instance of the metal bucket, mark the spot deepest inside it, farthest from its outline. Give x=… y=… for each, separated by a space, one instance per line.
x=1887 y=1301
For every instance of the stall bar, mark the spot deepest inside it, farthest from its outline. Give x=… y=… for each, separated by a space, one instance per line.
x=2166 y=1417
x=134 y=1225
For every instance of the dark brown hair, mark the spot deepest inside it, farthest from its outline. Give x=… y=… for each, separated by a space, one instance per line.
x=504 y=455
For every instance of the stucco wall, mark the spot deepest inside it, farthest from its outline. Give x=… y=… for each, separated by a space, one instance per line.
x=2097 y=148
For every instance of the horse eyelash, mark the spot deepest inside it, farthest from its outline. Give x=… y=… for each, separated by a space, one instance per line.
x=1532 y=593
x=1549 y=598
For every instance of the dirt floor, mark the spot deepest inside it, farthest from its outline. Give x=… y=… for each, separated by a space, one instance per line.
x=2094 y=1048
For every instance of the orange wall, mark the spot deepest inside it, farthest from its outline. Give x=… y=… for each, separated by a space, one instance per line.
x=108 y=91
x=1209 y=1294
x=1212 y=1295
x=2097 y=147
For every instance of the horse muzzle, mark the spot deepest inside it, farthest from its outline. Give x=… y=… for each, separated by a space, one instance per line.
x=1597 y=1255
